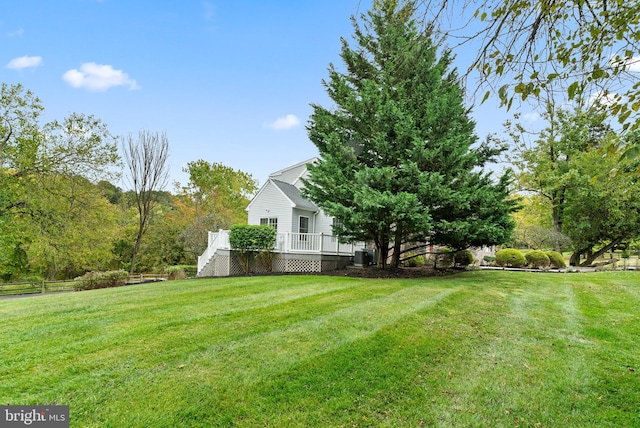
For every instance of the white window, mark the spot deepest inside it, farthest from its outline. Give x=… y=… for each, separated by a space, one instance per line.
x=271 y=221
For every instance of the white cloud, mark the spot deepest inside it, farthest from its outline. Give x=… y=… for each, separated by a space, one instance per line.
x=98 y=77
x=282 y=123
x=633 y=64
x=530 y=117
x=604 y=99
x=24 y=62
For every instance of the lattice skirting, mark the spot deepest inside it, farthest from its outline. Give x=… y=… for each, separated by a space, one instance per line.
x=296 y=265
x=227 y=263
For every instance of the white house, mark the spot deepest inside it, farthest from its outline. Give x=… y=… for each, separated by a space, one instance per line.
x=280 y=204
x=305 y=242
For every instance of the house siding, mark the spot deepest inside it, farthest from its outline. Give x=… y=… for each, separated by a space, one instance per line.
x=295 y=227
x=272 y=199
x=324 y=224
x=290 y=175
x=271 y=203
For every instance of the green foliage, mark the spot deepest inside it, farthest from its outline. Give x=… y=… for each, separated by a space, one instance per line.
x=464 y=258
x=214 y=198
x=245 y=239
x=537 y=259
x=572 y=48
x=220 y=190
x=556 y=259
x=509 y=257
x=415 y=261
x=569 y=165
x=50 y=208
x=489 y=259
x=20 y=111
x=399 y=156
x=181 y=271
x=445 y=258
x=95 y=280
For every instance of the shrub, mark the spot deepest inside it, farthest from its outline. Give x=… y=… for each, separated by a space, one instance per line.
x=245 y=238
x=537 y=259
x=181 y=271
x=489 y=259
x=176 y=272
x=556 y=259
x=415 y=261
x=463 y=258
x=510 y=257
x=95 y=280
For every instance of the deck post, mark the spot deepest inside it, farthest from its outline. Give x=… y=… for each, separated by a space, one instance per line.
x=321 y=241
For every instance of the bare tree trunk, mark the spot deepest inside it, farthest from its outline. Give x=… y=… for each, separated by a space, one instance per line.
x=146 y=160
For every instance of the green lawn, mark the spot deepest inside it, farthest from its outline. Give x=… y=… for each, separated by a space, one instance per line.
x=475 y=349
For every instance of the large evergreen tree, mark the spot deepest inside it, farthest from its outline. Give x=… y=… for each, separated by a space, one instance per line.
x=399 y=160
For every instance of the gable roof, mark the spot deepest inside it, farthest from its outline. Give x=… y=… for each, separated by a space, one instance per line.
x=298 y=170
x=293 y=194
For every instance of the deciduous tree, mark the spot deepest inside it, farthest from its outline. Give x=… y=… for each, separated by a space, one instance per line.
x=576 y=47
x=567 y=165
x=215 y=198
x=148 y=171
x=50 y=211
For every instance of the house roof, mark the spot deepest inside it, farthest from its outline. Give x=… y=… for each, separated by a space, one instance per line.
x=301 y=166
x=312 y=160
x=293 y=194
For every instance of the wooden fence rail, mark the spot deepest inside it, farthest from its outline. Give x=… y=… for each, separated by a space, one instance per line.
x=42 y=287
x=35 y=287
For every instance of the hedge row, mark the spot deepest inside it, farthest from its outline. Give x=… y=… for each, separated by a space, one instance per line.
x=95 y=280
x=510 y=257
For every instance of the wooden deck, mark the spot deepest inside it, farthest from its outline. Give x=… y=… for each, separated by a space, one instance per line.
x=286 y=243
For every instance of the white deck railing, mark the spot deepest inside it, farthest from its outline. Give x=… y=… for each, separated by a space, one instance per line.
x=315 y=243
x=216 y=240
x=286 y=242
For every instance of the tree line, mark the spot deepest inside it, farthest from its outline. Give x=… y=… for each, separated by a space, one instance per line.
x=61 y=214
x=400 y=161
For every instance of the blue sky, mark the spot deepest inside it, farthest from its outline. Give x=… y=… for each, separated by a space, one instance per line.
x=229 y=81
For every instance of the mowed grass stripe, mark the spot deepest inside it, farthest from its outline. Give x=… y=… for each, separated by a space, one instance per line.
x=226 y=378
x=525 y=360
x=155 y=336
x=616 y=330
x=115 y=316
x=476 y=349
